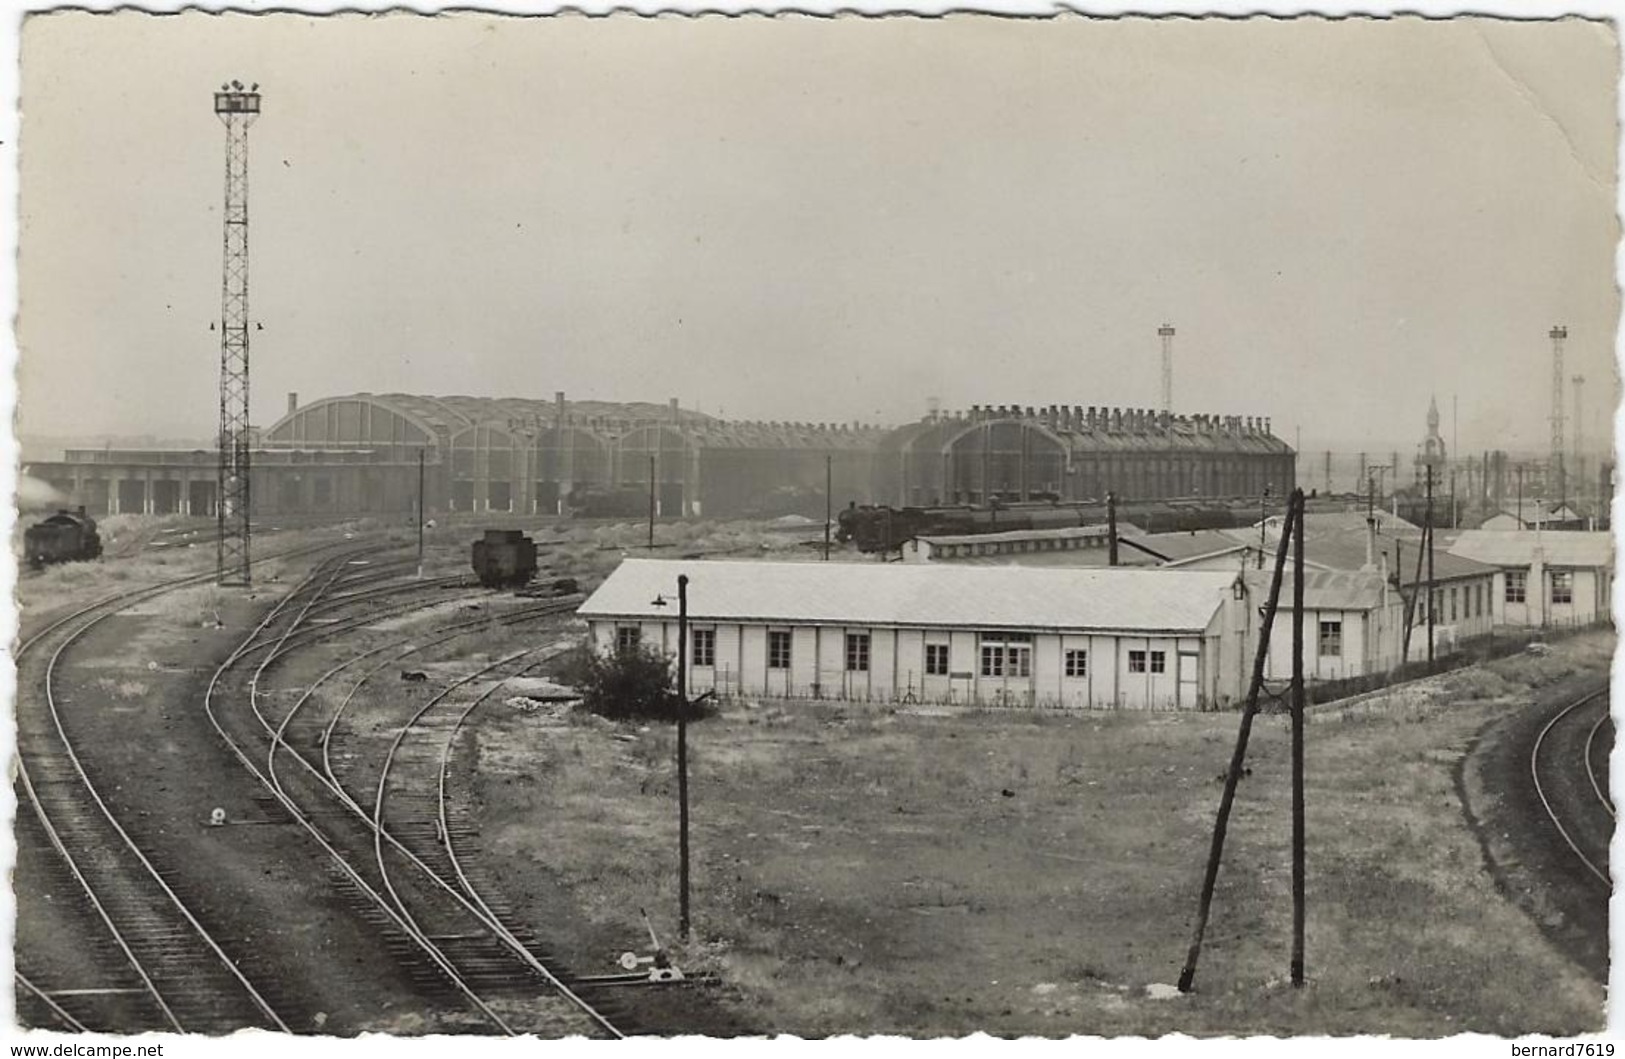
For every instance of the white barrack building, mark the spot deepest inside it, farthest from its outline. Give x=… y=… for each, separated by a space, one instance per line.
x=934 y=633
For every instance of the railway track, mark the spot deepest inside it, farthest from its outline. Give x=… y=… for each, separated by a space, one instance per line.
x=433 y=927
x=160 y=968
x=1566 y=799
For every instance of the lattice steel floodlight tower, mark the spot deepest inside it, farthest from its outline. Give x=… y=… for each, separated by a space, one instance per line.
x=1557 y=334
x=237 y=107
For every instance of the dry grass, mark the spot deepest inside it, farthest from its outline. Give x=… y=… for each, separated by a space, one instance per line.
x=863 y=871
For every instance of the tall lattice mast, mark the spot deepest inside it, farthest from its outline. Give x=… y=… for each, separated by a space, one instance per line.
x=1557 y=335
x=1166 y=332
x=237 y=108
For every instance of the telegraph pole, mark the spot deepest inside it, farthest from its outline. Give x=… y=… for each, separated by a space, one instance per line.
x=1292 y=523
x=1298 y=910
x=420 y=513
x=1558 y=335
x=682 y=755
x=651 y=501
x=1263 y=519
x=829 y=502
x=1111 y=529
x=1428 y=532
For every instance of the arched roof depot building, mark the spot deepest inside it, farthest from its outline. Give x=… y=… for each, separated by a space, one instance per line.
x=358 y=454
x=1064 y=453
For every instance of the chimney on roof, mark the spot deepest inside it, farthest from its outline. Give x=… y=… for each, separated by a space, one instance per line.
x=293 y=402
x=675 y=416
x=1266 y=424
x=1370 y=544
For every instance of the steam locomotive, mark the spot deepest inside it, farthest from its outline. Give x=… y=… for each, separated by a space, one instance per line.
x=67 y=536
x=504 y=558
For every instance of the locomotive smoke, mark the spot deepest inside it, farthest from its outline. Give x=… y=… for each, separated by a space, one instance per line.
x=36 y=495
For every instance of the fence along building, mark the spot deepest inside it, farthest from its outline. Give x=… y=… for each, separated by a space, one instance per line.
x=1544 y=578
x=967 y=635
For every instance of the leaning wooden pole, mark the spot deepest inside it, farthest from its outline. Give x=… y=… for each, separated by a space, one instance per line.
x=1416 y=591
x=1298 y=911
x=1216 y=851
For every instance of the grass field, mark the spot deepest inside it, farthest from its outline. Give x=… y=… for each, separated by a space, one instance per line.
x=864 y=871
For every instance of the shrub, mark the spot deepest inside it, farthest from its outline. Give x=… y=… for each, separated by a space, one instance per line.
x=631 y=684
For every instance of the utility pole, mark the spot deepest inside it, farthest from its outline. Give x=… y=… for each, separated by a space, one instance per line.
x=1293 y=523
x=1263 y=520
x=1298 y=911
x=829 y=503
x=236 y=107
x=1427 y=531
x=1558 y=335
x=651 y=501
x=682 y=755
x=1111 y=529
x=420 y=513
x=1580 y=480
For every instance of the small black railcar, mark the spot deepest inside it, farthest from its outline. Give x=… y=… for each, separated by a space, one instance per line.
x=67 y=536
x=504 y=559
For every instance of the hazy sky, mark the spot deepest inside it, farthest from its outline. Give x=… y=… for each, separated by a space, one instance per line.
x=829 y=219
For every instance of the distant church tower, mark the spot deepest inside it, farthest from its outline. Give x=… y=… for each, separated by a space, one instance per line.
x=1433 y=451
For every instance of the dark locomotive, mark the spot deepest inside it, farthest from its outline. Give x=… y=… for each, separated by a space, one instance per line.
x=504 y=559
x=880 y=529
x=67 y=536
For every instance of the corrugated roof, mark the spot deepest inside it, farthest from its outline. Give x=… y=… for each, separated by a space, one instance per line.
x=1057 y=533
x=1191 y=544
x=916 y=594
x=1346 y=550
x=1533 y=511
x=1517 y=547
x=1077 y=557
x=1323 y=589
